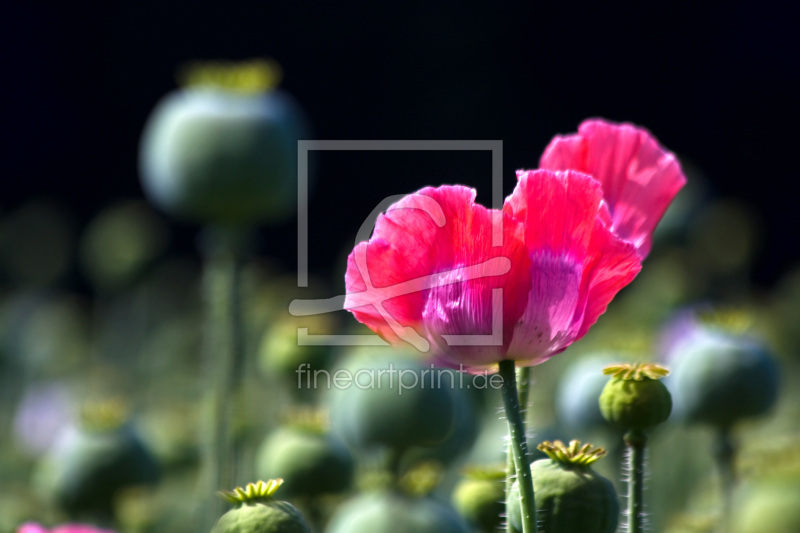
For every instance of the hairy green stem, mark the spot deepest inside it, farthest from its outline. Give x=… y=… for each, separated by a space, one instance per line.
x=523 y=392
x=518 y=445
x=635 y=441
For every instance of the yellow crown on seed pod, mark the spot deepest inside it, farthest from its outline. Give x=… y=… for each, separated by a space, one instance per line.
x=574 y=454
x=261 y=490
x=248 y=77
x=636 y=371
x=106 y=414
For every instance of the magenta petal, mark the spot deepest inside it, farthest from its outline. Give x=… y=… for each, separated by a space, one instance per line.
x=552 y=318
x=639 y=177
x=558 y=210
x=429 y=271
x=463 y=318
x=610 y=265
x=577 y=264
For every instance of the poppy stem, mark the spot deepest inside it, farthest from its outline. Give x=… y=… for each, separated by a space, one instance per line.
x=518 y=445
x=724 y=453
x=523 y=386
x=224 y=359
x=635 y=441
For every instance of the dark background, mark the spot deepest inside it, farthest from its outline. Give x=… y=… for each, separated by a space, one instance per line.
x=717 y=83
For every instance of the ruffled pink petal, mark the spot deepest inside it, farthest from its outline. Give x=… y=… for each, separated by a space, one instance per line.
x=610 y=265
x=558 y=210
x=552 y=318
x=577 y=264
x=429 y=271
x=640 y=178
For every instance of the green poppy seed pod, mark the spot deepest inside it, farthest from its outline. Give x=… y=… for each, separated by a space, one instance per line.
x=466 y=427
x=88 y=465
x=391 y=512
x=256 y=511
x=570 y=496
x=224 y=149
x=480 y=499
x=396 y=404
x=635 y=398
x=311 y=461
x=721 y=378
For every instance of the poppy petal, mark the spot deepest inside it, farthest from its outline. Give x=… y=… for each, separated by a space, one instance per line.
x=429 y=269
x=640 y=177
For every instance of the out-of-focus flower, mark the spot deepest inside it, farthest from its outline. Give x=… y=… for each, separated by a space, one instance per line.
x=44 y=411
x=640 y=178
x=31 y=527
x=481 y=286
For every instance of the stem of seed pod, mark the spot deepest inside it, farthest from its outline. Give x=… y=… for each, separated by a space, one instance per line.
x=519 y=445
x=636 y=441
x=524 y=379
x=723 y=455
x=224 y=359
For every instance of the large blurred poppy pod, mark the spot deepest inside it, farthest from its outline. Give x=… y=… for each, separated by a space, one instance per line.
x=223 y=149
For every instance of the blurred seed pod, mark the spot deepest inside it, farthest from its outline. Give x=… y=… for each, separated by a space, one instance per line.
x=719 y=376
x=466 y=427
x=223 y=150
x=90 y=462
x=480 y=498
x=392 y=512
x=311 y=461
x=394 y=403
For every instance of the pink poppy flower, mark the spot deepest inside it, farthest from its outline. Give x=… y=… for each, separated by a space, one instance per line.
x=640 y=178
x=31 y=527
x=430 y=274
